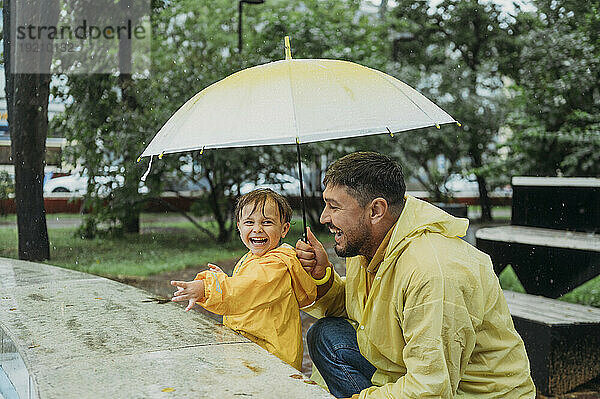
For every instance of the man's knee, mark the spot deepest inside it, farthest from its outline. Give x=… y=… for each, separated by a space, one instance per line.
x=329 y=333
x=316 y=333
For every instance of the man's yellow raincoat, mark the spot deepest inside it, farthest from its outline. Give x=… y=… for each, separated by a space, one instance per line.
x=262 y=299
x=430 y=314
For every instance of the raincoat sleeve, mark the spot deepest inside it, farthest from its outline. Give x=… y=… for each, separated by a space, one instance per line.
x=303 y=285
x=242 y=293
x=440 y=339
x=333 y=303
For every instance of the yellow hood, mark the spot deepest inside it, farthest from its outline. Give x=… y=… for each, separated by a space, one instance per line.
x=418 y=217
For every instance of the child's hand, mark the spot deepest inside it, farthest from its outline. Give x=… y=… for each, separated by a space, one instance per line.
x=215 y=268
x=191 y=291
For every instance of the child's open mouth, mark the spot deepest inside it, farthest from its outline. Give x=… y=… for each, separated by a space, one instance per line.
x=258 y=241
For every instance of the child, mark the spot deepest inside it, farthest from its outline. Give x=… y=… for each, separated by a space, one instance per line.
x=261 y=299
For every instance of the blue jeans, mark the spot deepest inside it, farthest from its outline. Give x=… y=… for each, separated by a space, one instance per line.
x=334 y=351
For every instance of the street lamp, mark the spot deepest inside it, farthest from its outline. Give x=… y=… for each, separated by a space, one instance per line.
x=240 y=19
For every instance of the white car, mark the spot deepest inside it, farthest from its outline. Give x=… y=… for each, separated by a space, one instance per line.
x=288 y=185
x=67 y=184
x=77 y=184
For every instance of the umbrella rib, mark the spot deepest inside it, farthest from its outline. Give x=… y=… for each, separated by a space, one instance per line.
x=386 y=78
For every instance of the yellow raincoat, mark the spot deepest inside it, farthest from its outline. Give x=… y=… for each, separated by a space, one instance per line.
x=434 y=321
x=261 y=300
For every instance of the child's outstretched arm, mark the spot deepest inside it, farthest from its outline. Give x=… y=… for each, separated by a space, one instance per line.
x=191 y=291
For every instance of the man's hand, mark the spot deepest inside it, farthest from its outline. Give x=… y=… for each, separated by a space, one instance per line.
x=312 y=255
x=191 y=291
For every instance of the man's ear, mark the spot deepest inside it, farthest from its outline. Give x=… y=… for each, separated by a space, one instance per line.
x=286 y=229
x=377 y=209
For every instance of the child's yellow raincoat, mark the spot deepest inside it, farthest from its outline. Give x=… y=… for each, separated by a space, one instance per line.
x=262 y=299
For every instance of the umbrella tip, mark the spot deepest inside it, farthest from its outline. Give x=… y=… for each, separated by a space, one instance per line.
x=288 y=48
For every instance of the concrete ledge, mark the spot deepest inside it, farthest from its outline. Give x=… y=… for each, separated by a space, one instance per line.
x=67 y=334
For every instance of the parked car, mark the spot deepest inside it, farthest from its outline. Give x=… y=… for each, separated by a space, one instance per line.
x=66 y=184
x=288 y=185
x=77 y=184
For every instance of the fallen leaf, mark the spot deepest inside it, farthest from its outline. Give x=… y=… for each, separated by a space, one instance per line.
x=11 y=309
x=310 y=382
x=98 y=298
x=297 y=376
x=32 y=346
x=168 y=390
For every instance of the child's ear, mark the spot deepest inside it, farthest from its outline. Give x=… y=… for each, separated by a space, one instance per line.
x=286 y=229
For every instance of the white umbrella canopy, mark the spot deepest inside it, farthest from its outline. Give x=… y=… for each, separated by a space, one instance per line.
x=295 y=100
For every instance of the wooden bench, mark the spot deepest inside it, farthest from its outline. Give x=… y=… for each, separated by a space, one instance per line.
x=553 y=245
x=548 y=262
x=562 y=340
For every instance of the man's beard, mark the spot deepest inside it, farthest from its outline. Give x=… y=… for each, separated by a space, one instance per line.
x=355 y=242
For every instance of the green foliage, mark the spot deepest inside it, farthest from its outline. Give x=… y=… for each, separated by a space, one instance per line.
x=107 y=136
x=509 y=280
x=449 y=51
x=194 y=45
x=6 y=188
x=587 y=293
x=555 y=120
x=318 y=29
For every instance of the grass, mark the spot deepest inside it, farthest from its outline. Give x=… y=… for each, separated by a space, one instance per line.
x=587 y=293
x=164 y=246
x=168 y=245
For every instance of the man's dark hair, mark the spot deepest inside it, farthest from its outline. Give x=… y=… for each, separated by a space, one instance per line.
x=259 y=198
x=369 y=175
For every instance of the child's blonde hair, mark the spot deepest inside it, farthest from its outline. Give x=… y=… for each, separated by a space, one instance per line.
x=259 y=198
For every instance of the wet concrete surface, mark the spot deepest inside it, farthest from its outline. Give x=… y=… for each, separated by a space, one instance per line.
x=82 y=336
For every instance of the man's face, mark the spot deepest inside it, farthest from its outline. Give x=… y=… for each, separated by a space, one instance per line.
x=347 y=220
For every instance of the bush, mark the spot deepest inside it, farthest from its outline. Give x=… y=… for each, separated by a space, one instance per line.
x=6 y=188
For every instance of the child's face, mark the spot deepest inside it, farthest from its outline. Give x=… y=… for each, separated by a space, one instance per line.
x=261 y=231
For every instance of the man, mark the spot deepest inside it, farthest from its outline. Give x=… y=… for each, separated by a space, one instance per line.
x=427 y=315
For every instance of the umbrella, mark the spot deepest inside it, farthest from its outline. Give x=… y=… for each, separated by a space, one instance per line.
x=295 y=101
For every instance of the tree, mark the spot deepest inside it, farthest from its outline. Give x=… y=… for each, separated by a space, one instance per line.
x=555 y=120
x=449 y=51
x=318 y=29
x=194 y=45
x=27 y=102
x=107 y=136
